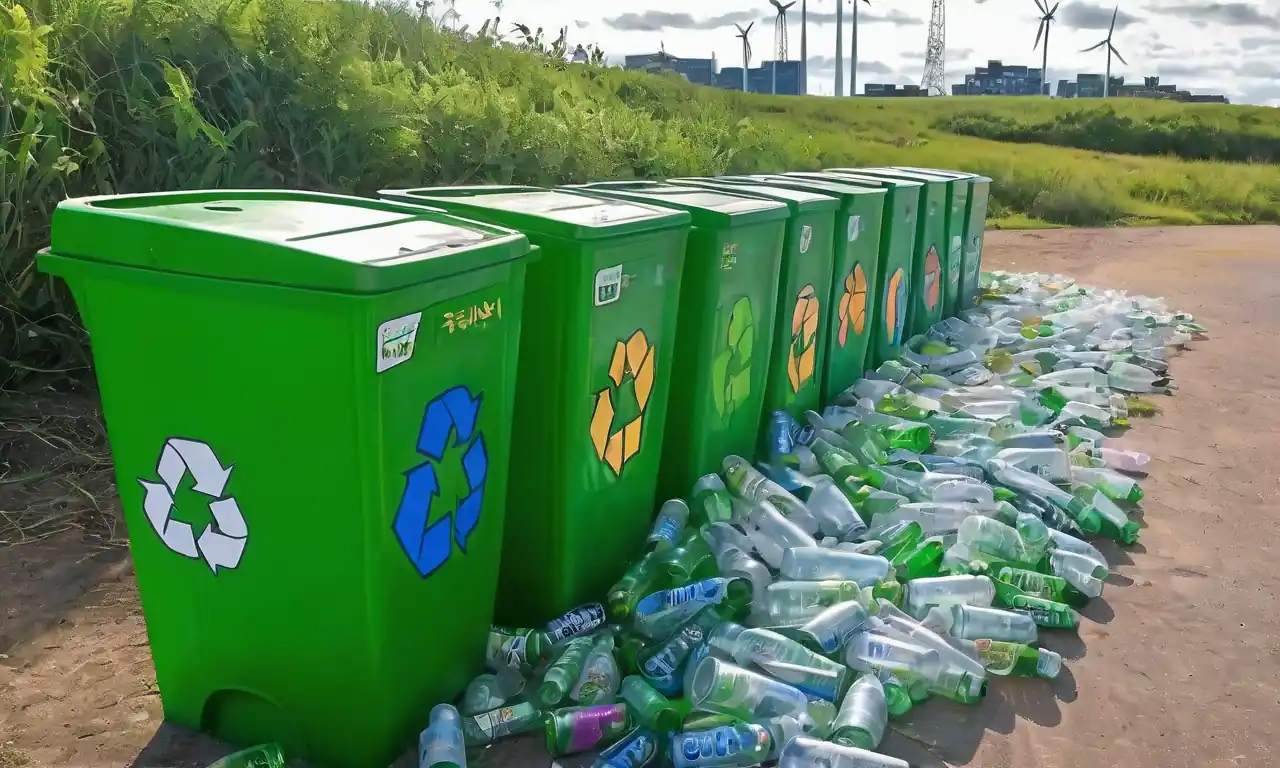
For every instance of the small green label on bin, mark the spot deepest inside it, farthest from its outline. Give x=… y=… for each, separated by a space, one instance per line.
x=608 y=285
x=395 y=340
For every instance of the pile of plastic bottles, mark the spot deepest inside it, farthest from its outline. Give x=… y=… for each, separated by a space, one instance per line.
x=914 y=539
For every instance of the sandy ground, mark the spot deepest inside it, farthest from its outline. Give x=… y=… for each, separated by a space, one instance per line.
x=1178 y=665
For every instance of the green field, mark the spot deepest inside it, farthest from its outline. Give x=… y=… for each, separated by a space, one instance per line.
x=104 y=96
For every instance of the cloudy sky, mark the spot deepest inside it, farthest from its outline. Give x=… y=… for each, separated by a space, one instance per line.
x=1211 y=47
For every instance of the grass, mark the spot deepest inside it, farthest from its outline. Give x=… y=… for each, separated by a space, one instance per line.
x=118 y=96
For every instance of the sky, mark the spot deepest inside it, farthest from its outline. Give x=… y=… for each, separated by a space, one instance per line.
x=1206 y=47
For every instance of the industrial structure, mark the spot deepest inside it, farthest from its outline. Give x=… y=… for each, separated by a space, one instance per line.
x=1000 y=79
x=1089 y=86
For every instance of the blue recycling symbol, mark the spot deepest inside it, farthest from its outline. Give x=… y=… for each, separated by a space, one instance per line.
x=429 y=546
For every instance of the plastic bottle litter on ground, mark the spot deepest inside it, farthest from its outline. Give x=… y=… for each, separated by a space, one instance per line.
x=920 y=536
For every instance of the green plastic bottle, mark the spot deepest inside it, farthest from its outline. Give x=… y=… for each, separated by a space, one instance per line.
x=1019 y=660
x=578 y=729
x=692 y=560
x=564 y=672
x=261 y=756
x=488 y=727
x=921 y=562
x=711 y=501
x=652 y=709
x=917 y=438
x=646 y=575
x=899 y=538
x=1041 y=585
x=1116 y=525
x=1045 y=613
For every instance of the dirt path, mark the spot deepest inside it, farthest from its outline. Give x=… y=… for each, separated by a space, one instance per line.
x=1178 y=665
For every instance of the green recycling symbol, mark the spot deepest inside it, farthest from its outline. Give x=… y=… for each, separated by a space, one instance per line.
x=731 y=370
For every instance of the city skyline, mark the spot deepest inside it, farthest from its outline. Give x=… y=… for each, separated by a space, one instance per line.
x=1224 y=47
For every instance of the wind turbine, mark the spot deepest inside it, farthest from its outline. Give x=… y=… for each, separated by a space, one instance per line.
x=1047 y=17
x=746 y=51
x=853 y=53
x=779 y=38
x=1106 y=84
x=804 y=47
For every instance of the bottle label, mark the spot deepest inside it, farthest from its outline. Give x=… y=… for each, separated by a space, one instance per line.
x=589 y=726
x=711 y=747
x=579 y=621
x=667 y=529
x=635 y=752
x=505 y=721
x=506 y=650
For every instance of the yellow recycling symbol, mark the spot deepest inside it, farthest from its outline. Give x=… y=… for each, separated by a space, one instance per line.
x=804 y=328
x=633 y=358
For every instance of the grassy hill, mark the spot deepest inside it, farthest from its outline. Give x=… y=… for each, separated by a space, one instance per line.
x=105 y=96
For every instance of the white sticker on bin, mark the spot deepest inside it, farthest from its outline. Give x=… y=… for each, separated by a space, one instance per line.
x=608 y=286
x=395 y=340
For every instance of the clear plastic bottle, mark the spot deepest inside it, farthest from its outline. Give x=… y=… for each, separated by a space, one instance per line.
x=717 y=686
x=835 y=513
x=749 y=484
x=970 y=622
x=923 y=594
x=815 y=563
x=711 y=500
x=733 y=562
x=766 y=649
x=795 y=602
x=598 y=683
x=651 y=708
x=803 y=752
x=830 y=630
x=489 y=691
x=863 y=716
x=935 y=518
x=661 y=613
x=1000 y=541
x=772 y=533
x=1053 y=464
x=563 y=672
x=1081 y=571
x=668 y=526
x=877 y=650
x=740 y=744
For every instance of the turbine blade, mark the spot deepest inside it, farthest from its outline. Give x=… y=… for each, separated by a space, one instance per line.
x=1114 y=14
x=1055 y=7
x=1042 y=6
x=1095 y=47
x=749 y=26
x=1118 y=56
x=775 y=4
x=1039 y=32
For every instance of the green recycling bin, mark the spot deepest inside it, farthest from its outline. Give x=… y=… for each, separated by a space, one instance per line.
x=927 y=295
x=804 y=285
x=975 y=228
x=596 y=360
x=894 y=266
x=309 y=399
x=728 y=299
x=857 y=250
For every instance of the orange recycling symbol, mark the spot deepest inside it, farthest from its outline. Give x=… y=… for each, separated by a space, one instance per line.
x=632 y=360
x=853 y=304
x=932 y=277
x=804 y=329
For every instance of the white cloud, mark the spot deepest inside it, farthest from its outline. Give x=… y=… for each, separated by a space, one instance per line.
x=1161 y=32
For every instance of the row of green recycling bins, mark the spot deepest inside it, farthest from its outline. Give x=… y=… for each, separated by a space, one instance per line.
x=341 y=426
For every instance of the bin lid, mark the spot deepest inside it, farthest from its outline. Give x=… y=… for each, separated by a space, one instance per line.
x=847 y=193
x=710 y=209
x=896 y=173
x=301 y=239
x=797 y=200
x=976 y=178
x=853 y=177
x=549 y=212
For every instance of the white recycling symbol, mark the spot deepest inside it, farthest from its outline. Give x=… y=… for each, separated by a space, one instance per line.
x=221 y=544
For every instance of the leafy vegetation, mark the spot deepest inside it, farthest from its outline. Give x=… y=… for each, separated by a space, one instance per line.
x=117 y=96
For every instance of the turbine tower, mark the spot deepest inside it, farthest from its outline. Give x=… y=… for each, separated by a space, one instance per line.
x=779 y=38
x=1047 y=17
x=839 y=48
x=746 y=51
x=935 y=56
x=804 y=47
x=853 y=51
x=1106 y=83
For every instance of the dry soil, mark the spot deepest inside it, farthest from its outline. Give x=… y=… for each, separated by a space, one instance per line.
x=1178 y=665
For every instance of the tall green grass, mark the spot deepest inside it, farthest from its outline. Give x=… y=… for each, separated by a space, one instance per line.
x=116 y=96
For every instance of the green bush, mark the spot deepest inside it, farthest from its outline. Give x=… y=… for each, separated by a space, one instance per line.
x=1186 y=136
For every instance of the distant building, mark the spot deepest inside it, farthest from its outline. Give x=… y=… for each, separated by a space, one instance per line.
x=1089 y=86
x=880 y=90
x=790 y=74
x=1000 y=79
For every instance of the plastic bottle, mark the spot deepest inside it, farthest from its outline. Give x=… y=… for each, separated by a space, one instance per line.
x=1068 y=543
x=717 y=686
x=815 y=563
x=945 y=591
x=921 y=562
x=662 y=664
x=768 y=650
x=970 y=622
x=794 y=602
x=691 y=560
x=711 y=500
x=1125 y=461
x=669 y=526
x=863 y=716
x=962 y=678
x=1017 y=659
x=803 y=752
x=638 y=749
x=771 y=533
x=834 y=511
x=1115 y=523
x=489 y=691
x=600 y=677
x=263 y=756
x=488 y=727
x=661 y=613
x=830 y=630
x=1115 y=485
x=1052 y=464
x=1081 y=571
x=517 y=649
x=735 y=563
x=644 y=575
x=747 y=482
x=563 y=673
x=934 y=518
x=1131 y=378
x=874 y=651
x=1043 y=586
x=579 y=729
x=577 y=622
x=741 y=744
x=651 y=708
x=998 y=540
